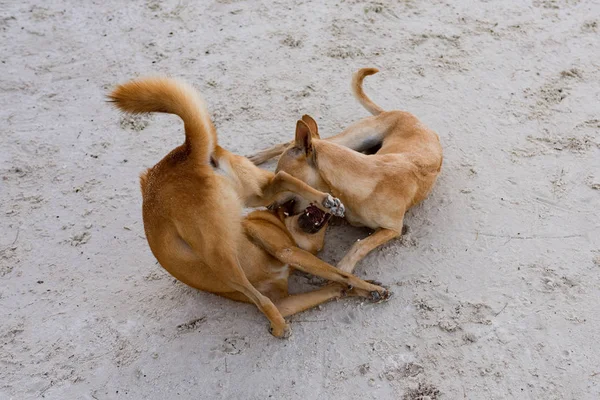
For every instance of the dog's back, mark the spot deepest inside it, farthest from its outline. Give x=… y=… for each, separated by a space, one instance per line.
x=182 y=187
x=406 y=134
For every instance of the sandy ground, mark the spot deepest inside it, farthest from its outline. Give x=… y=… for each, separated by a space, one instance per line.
x=496 y=281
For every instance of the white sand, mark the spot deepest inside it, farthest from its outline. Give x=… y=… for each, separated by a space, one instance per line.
x=496 y=282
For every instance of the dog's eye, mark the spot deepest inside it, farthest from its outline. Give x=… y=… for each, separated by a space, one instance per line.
x=213 y=162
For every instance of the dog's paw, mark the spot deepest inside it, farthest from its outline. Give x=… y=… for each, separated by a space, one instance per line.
x=380 y=297
x=283 y=332
x=258 y=158
x=334 y=205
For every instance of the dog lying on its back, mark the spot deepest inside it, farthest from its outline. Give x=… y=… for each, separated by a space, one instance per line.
x=192 y=211
x=376 y=189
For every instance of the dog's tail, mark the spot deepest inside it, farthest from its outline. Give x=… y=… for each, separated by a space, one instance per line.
x=357 y=80
x=171 y=96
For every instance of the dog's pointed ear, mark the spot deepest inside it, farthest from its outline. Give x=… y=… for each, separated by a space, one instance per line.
x=312 y=125
x=303 y=137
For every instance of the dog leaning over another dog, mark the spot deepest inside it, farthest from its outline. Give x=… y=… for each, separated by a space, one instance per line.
x=192 y=211
x=379 y=167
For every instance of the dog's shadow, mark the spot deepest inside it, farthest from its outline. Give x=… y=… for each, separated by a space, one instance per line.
x=340 y=237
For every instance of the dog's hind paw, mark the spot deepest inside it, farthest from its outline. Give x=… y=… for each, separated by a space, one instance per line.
x=380 y=295
x=334 y=205
x=259 y=158
x=377 y=297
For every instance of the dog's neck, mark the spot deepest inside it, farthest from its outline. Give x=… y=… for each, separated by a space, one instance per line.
x=337 y=180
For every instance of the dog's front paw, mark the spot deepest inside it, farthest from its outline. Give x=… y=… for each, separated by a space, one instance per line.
x=334 y=205
x=281 y=332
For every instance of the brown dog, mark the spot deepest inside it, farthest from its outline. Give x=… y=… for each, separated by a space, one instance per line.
x=192 y=210
x=376 y=189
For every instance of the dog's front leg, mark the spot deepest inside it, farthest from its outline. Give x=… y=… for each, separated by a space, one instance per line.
x=300 y=259
x=218 y=249
x=281 y=187
x=283 y=182
x=265 y=155
x=363 y=247
x=230 y=272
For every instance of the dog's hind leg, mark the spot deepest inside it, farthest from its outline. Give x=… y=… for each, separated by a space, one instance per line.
x=235 y=278
x=362 y=135
x=223 y=263
x=296 y=303
x=231 y=273
x=363 y=247
x=265 y=155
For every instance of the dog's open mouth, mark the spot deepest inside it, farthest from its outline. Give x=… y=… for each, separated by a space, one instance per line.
x=313 y=219
x=288 y=207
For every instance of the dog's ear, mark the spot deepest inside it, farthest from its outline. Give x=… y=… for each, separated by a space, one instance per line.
x=303 y=137
x=312 y=125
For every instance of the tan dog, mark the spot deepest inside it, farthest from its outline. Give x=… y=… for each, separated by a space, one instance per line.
x=376 y=189
x=192 y=210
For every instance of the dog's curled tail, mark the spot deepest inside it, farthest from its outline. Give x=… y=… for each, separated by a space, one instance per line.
x=172 y=96
x=357 y=80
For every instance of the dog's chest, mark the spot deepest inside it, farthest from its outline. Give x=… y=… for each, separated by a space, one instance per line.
x=355 y=219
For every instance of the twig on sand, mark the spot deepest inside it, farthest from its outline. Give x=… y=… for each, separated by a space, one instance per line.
x=310 y=320
x=498 y=313
x=14 y=241
x=532 y=237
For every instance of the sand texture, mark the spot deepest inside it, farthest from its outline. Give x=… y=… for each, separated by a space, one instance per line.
x=496 y=281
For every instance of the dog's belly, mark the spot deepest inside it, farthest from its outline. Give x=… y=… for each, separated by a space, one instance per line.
x=272 y=283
